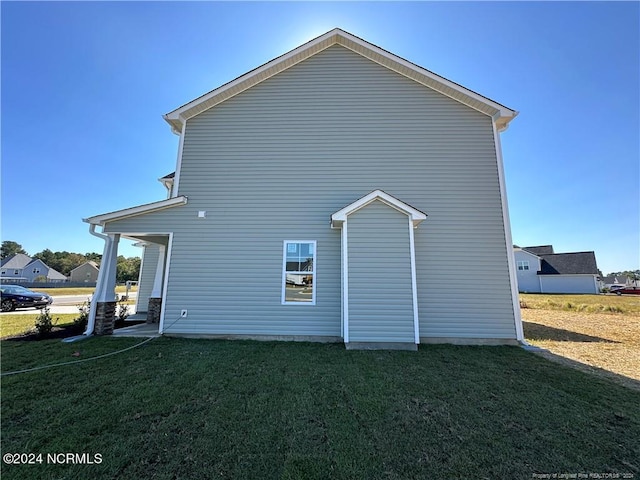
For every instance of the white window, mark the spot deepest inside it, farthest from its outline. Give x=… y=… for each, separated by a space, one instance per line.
x=298 y=272
x=16 y=272
x=36 y=270
x=523 y=265
x=3 y=272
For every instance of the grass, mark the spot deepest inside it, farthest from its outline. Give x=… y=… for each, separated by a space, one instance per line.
x=582 y=303
x=17 y=323
x=601 y=332
x=183 y=408
x=79 y=290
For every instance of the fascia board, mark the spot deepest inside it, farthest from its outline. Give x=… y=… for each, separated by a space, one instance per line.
x=134 y=211
x=339 y=217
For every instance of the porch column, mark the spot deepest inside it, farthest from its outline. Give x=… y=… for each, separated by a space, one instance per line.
x=155 y=299
x=103 y=303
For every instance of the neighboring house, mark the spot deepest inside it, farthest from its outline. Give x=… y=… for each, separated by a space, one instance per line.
x=20 y=268
x=540 y=270
x=617 y=281
x=336 y=193
x=85 y=273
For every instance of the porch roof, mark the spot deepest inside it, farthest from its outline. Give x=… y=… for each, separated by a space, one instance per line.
x=134 y=211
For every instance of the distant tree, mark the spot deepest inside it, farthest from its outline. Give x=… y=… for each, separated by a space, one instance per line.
x=93 y=257
x=63 y=262
x=127 y=269
x=10 y=248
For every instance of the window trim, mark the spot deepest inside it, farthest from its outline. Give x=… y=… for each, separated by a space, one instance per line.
x=524 y=264
x=283 y=280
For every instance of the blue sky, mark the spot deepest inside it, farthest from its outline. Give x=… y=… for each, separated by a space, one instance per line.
x=84 y=87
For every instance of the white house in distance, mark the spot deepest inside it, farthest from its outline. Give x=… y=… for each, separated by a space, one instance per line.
x=21 y=268
x=540 y=270
x=334 y=193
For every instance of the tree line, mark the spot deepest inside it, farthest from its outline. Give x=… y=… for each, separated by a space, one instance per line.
x=127 y=268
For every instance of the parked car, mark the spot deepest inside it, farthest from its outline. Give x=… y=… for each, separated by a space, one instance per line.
x=627 y=290
x=15 y=296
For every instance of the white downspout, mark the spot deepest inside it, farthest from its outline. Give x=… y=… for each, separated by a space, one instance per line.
x=101 y=273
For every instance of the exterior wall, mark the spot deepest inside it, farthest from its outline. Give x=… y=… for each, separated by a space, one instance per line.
x=274 y=162
x=528 y=281
x=380 y=295
x=80 y=274
x=569 y=284
x=28 y=274
x=147 y=275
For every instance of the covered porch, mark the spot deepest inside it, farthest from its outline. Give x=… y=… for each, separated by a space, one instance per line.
x=153 y=270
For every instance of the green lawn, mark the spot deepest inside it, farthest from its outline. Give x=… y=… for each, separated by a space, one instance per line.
x=22 y=322
x=183 y=408
x=609 y=303
x=79 y=290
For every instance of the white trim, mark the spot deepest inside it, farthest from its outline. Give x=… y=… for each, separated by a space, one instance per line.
x=414 y=285
x=345 y=279
x=513 y=277
x=135 y=211
x=178 y=117
x=176 y=178
x=163 y=306
x=283 y=300
x=156 y=290
x=415 y=215
x=144 y=246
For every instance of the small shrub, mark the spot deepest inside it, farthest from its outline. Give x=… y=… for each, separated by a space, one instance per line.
x=122 y=312
x=44 y=322
x=83 y=317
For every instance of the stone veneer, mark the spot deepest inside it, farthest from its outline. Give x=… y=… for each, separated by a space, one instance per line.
x=153 y=312
x=105 y=318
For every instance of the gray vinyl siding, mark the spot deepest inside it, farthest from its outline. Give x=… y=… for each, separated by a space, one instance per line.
x=379 y=259
x=274 y=162
x=528 y=280
x=569 y=284
x=147 y=276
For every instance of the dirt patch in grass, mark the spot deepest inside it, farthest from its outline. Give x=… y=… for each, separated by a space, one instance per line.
x=603 y=342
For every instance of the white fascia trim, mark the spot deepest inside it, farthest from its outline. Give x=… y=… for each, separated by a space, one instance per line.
x=345 y=279
x=414 y=286
x=177 y=117
x=416 y=216
x=142 y=245
x=167 y=267
x=134 y=211
x=526 y=252
x=176 y=178
x=511 y=259
x=283 y=300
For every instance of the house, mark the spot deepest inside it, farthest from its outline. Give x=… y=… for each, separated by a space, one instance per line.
x=85 y=273
x=325 y=196
x=540 y=270
x=617 y=281
x=21 y=268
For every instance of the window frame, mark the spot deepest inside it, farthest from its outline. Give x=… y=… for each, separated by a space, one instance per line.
x=524 y=264
x=283 y=280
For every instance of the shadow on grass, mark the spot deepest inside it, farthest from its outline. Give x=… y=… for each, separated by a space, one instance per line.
x=537 y=331
x=599 y=372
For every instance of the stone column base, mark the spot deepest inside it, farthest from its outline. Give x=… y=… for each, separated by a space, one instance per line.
x=153 y=312
x=105 y=318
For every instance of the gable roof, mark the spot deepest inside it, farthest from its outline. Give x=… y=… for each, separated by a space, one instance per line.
x=91 y=263
x=540 y=250
x=16 y=261
x=416 y=216
x=502 y=115
x=569 y=263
